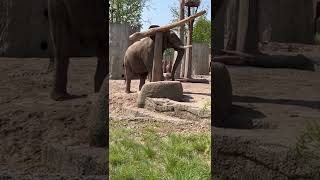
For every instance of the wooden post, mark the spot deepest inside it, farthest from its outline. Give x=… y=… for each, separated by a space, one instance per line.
x=247 y=35
x=157 y=58
x=181 y=31
x=218 y=30
x=188 y=61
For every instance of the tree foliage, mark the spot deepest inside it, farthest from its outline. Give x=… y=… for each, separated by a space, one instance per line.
x=127 y=11
x=202 y=31
x=168 y=53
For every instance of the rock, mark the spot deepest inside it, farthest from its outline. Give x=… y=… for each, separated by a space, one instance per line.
x=222 y=94
x=163 y=89
x=97 y=122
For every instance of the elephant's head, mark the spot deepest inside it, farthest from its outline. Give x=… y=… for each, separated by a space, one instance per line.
x=171 y=40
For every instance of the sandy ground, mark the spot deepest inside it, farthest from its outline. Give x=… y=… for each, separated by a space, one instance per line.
x=29 y=119
x=279 y=102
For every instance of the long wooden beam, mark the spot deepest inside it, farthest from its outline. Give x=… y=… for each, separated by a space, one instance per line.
x=139 y=35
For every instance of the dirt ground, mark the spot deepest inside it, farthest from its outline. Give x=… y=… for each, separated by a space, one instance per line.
x=29 y=119
x=278 y=101
x=271 y=108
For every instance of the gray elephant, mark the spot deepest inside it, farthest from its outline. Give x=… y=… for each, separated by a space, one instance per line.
x=76 y=22
x=138 y=59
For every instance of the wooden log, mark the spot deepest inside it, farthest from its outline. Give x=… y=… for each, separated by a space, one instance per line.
x=238 y=53
x=139 y=35
x=268 y=61
x=185 y=80
x=158 y=56
x=231 y=60
x=282 y=61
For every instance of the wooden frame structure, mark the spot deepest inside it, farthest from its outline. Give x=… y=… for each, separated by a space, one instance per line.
x=158 y=56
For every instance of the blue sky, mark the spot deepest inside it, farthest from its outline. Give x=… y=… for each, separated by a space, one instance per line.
x=159 y=12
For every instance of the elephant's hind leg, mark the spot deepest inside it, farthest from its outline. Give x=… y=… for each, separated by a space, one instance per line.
x=128 y=75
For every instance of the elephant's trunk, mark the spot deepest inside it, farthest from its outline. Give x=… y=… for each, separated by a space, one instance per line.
x=176 y=63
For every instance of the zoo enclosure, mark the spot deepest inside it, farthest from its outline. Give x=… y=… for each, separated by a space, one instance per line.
x=119 y=42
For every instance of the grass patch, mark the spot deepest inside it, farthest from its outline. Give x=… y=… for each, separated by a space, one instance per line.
x=207 y=105
x=308 y=144
x=143 y=154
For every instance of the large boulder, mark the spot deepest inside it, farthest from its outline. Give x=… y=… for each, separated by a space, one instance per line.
x=162 y=89
x=222 y=94
x=98 y=119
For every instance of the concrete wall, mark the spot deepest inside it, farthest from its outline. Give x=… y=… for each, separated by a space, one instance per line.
x=4 y=19
x=24 y=30
x=290 y=21
x=118 y=44
x=200 y=59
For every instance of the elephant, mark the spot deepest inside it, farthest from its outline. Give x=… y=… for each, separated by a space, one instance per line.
x=138 y=59
x=74 y=22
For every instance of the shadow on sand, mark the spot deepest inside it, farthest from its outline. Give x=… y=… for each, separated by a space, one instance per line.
x=245 y=118
x=251 y=99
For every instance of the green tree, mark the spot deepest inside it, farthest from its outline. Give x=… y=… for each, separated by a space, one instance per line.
x=168 y=54
x=202 y=31
x=127 y=11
